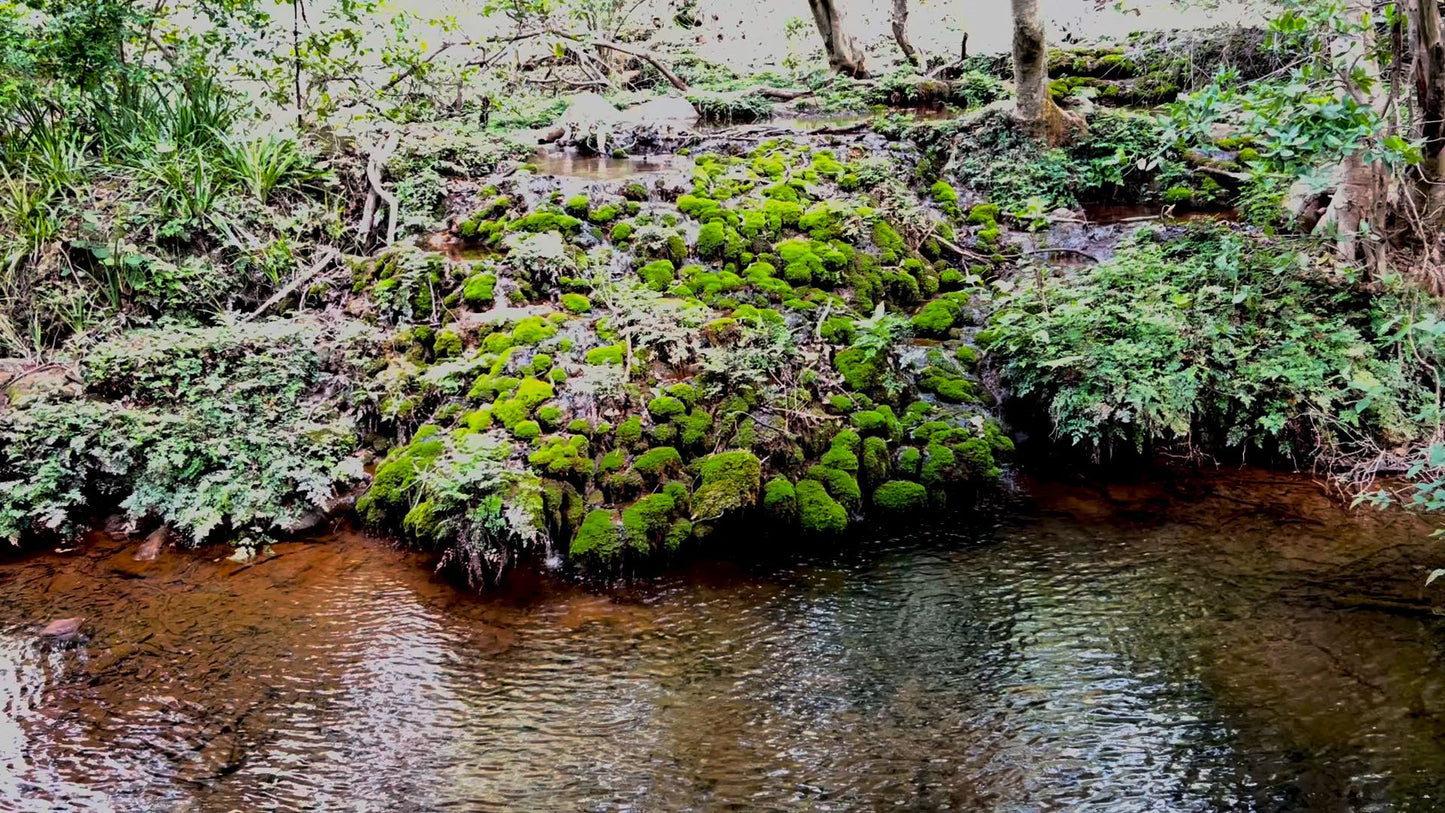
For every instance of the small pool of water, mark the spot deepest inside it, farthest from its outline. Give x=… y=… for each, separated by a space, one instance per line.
x=1198 y=643
x=570 y=163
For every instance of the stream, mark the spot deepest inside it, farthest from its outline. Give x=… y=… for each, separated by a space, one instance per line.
x=1192 y=642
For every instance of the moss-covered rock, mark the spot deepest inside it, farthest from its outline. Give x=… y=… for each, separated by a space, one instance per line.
x=780 y=501
x=599 y=536
x=730 y=483
x=900 y=497
x=819 y=513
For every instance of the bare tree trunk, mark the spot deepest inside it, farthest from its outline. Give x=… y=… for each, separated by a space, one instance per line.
x=844 y=54
x=1358 y=204
x=1036 y=109
x=900 y=32
x=1428 y=46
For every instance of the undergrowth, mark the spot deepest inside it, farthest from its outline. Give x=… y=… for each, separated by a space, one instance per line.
x=1219 y=341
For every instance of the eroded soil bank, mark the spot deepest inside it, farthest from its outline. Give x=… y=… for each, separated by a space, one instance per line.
x=1195 y=642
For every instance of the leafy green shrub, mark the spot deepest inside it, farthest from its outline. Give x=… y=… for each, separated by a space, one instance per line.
x=1213 y=340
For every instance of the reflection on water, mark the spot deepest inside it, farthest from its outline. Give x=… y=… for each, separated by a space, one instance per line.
x=1253 y=648
x=570 y=163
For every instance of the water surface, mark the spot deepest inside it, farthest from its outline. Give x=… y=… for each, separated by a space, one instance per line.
x=1232 y=642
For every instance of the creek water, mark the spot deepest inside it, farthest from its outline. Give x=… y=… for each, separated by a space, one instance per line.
x=1234 y=641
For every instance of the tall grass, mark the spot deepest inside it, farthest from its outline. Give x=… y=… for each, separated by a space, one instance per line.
x=267 y=166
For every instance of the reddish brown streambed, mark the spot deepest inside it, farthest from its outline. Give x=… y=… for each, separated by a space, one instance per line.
x=1204 y=643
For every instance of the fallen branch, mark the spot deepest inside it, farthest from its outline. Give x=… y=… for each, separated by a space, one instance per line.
x=374 y=162
x=781 y=94
x=957 y=249
x=328 y=255
x=671 y=77
x=1084 y=254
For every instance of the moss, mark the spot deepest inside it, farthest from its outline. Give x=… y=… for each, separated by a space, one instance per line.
x=685 y=393
x=561 y=457
x=635 y=191
x=612 y=461
x=646 y=520
x=598 y=536
x=665 y=407
x=659 y=275
x=557 y=375
x=801 y=265
x=526 y=430
x=730 y=482
x=550 y=416
x=842 y=486
x=1178 y=195
x=580 y=426
x=622 y=232
x=901 y=498
x=610 y=354
x=875 y=459
x=479 y=291
x=629 y=432
x=694 y=427
x=576 y=303
x=577 y=205
x=780 y=500
x=780 y=214
x=602 y=215
x=819 y=513
x=888 y=241
x=696 y=206
x=447 y=344
x=984 y=214
x=422 y=524
x=860 y=370
x=659 y=462
x=944 y=195
x=530 y=394
x=711 y=240
x=677 y=534
x=938 y=465
x=842 y=455
x=395 y=477
x=950 y=387
x=531 y=330
x=909 y=461
x=479 y=420
x=936 y=318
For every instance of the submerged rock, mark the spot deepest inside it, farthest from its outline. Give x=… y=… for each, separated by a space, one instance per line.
x=150 y=549
x=63 y=629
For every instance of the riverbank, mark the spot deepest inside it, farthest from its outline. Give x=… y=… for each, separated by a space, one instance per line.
x=1271 y=646
x=609 y=337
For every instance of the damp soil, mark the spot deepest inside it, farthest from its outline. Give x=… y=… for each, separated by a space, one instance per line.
x=1192 y=642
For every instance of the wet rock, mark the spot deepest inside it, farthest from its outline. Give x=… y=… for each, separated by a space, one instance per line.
x=20 y=386
x=306 y=523
x=62 y=629
x=667 y=110
x=118 y=526
x=150 y=549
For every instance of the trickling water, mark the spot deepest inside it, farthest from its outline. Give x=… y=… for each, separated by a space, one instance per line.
x=1235 y=642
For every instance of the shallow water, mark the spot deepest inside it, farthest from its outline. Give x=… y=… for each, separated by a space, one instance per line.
x=570 y=163
x=1232 y=642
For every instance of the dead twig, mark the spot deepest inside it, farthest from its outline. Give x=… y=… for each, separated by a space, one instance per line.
x=327 y=256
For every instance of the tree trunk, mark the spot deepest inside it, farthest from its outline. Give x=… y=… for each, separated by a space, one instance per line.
x=1359 y=202
x=900 y=32
x=1035 y=105
x=844 y=54
x=1428 y=46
